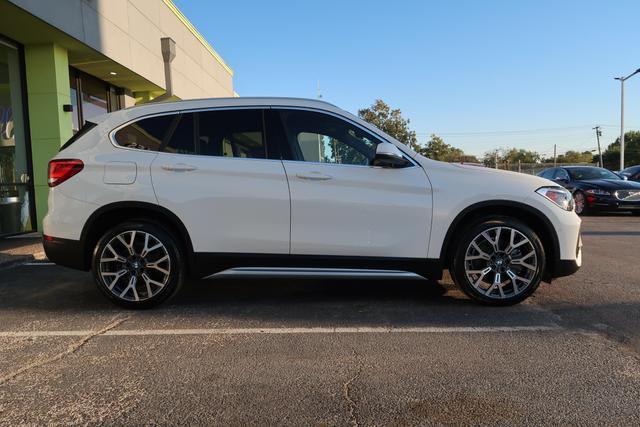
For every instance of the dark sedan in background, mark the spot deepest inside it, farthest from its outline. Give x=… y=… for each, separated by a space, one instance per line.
x=596 y=189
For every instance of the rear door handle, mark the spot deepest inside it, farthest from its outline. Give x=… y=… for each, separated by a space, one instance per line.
x=314 y=176
x=179 y=167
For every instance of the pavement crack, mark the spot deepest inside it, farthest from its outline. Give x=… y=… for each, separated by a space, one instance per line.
x=346 y=393
x=74 y=347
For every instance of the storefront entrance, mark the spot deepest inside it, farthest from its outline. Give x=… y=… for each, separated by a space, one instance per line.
x=16 y=188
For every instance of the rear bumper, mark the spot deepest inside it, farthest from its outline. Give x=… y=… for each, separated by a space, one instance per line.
x=65 y=252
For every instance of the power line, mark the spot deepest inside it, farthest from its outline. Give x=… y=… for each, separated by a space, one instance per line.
x=502 y=132
x=518 y=132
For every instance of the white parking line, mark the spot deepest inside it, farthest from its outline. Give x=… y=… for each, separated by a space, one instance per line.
x=282 y=331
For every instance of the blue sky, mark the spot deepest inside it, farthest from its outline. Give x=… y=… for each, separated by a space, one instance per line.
x=482 y=74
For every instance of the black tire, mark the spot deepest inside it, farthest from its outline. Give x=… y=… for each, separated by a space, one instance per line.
x=577 y=197
x=147 y=278
x=501 y=262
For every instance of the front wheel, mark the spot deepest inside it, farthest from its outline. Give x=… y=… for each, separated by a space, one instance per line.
x=498 y=262
x=579 y=201
x=137 y=265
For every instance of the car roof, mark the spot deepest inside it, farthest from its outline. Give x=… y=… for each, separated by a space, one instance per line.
x=116 y=118
x=194 y=104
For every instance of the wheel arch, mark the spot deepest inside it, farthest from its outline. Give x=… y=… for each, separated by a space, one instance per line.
x=115 y=213
x=481 y=211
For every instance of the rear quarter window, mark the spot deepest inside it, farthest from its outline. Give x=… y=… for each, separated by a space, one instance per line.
x=145 y=134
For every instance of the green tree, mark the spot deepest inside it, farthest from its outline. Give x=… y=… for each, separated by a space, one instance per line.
x=572 y=156
x=510 y=156
x=437 y=149
x=389 y=121
x=611 y=155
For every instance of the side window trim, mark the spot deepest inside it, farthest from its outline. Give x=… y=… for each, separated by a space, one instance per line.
x=273 y=149
x=269 y=151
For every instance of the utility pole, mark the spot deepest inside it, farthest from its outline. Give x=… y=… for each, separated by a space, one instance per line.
x=555 y=147
x=598 y=135
x=496 y=160
x=622 y=80
x=318 y=88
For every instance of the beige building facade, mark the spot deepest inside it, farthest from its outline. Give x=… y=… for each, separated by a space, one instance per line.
x=65 y=61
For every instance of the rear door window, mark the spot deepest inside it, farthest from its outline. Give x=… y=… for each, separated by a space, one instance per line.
x=181 y=137
x=232 y=133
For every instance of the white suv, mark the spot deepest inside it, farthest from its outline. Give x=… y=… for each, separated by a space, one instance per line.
x=259 y=186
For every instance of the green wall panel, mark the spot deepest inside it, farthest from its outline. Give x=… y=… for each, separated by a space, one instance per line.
x=47 y=70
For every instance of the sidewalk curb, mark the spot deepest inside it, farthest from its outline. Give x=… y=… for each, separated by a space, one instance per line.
x=16 y=260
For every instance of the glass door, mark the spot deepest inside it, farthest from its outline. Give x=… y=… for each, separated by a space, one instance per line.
x=15 y=182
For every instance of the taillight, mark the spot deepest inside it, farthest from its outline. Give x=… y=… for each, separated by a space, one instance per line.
x=63 y=169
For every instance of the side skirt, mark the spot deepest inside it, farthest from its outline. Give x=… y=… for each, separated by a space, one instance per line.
x=211 y=264
x=310 y=273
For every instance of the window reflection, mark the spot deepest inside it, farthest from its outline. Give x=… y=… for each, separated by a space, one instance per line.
x=15 y=211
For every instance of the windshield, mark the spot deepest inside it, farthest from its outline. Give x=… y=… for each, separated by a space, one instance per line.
x=580 y=174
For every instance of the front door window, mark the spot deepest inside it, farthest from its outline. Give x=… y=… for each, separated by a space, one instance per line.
x=322 y=138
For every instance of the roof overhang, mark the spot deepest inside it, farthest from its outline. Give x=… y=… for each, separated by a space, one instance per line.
x=26 y=29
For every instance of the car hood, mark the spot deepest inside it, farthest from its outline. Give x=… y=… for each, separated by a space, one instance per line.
x=610 y=184
x=481 y=182
x=479 y=172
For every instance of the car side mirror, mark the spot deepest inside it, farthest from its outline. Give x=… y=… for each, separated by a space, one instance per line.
x=389 y=156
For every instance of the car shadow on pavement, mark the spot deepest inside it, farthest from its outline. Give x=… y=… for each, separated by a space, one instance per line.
x=340 y=302
x=305 y=290
x=56 y=292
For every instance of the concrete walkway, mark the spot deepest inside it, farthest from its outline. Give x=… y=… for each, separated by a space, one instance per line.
x=21 y=248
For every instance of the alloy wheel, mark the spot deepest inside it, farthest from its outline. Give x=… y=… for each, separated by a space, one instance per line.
x=135 y=266
x=501 y=262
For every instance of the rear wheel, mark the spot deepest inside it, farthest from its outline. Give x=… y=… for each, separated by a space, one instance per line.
x=137 y=265
x=499 y=262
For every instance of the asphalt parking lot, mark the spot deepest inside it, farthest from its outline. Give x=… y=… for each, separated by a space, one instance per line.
x=331 y=352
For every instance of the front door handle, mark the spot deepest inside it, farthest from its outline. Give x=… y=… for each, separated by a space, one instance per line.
x=314 y=176
x=179 y=167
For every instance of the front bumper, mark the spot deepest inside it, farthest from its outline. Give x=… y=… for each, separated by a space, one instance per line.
x=566 y=267
x=610 y=203
x=65 y=252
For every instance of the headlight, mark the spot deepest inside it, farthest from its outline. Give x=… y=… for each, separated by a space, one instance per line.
x=598 y=192
x=558 y=195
